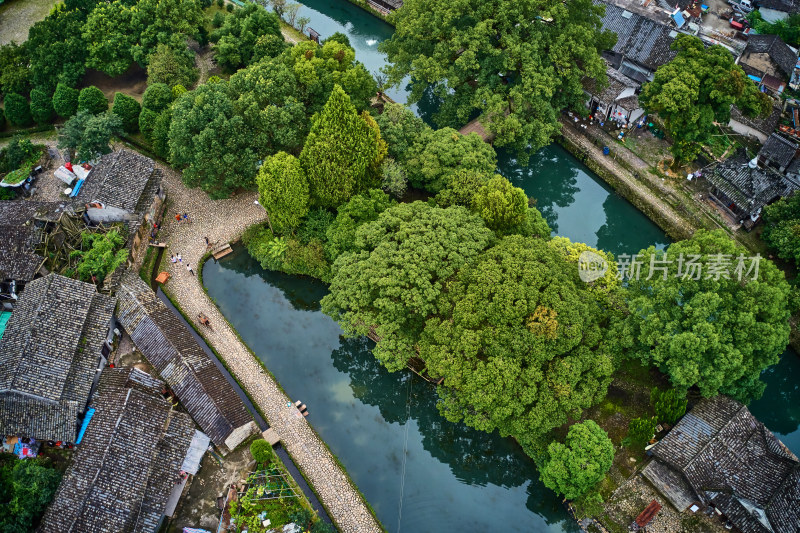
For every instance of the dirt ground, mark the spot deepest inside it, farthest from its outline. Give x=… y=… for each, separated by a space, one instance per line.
x=133 y=82
x=17 y=16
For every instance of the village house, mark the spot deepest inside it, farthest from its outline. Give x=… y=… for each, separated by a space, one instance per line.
x=720 y=457
x=124 y=186
x=778 y=152
x=167 y=343
x=758 y=127
x=774 y=10
x=617 y=102
x=50 y=353
x=740 y=188
x=133 y=461
x=22 y=224
x=768 y=61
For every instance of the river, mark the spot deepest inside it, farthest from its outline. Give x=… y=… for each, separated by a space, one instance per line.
x=420 y=472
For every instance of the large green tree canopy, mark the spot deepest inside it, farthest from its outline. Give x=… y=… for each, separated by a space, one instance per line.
x=782 y=228
x=283 y=190
x=236 y=38
x=574 y=467
x=695 y=90
x=392 y=282
x=518 y=342
x=57 y=50
x=717 y=332
x=517 y=63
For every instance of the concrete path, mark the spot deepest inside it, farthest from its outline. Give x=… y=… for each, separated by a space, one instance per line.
x=223 y=221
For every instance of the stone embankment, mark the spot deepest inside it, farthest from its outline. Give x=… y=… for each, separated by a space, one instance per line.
x=224 y=221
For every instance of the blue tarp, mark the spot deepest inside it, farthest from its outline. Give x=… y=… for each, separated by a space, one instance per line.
x=678 y=18
x=86 y=419
x=754 y=78
x=76 y=189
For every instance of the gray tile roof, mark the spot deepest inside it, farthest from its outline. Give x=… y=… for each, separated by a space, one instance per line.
x=121 y=179
x=731 y=460
x=170 y=347
x=127 y=463
x=617 y=82
x=48 y=357
x=778 y=150
x=639 y=39
x=21 y=225
x=749 y=188
x=775 y=48
x=765 y=125
x=787 y=6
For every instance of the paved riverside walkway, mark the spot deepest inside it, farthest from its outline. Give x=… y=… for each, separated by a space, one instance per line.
x=223 y=221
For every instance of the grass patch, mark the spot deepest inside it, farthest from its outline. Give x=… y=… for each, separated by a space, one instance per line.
x=17 y=16
x=293 y=32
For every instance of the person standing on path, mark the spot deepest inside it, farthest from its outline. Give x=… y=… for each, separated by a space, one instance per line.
x=173 y=259
x=179 y=258
x=178 y=217
x=189 y=268
x=207 y=243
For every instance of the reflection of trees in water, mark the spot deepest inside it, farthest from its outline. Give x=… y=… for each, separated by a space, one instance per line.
x=779 y=408
x=474 y=457
x=614 y=235
x=428 y=105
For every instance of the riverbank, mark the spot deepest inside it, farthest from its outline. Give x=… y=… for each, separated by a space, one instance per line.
x=224 y=221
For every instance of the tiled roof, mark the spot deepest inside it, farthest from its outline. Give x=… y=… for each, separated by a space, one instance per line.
x=617 y=83
x=120 y=180
x=773 y=46
x=20 y=229
x=779 y=150
x=640 y=39
x=749 y=188
x=127 y=463
x=787 y=6
x=49 y=354
x=170 y=347
x=765 y=125
x=731 y=460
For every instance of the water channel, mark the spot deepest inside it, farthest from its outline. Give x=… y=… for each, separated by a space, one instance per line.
x=420 y=472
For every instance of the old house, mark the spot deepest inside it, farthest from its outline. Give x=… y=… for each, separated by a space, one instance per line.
x=774 y=10
x=189 y=371
x=50 y=353
x=617 y=102
x=741 y=188
x=642 y=44
x=22 y=225
x=133 y=461
x=768 y=61
x=124 y=186
x=759 y=127
x=777 y=152
x=720 y=456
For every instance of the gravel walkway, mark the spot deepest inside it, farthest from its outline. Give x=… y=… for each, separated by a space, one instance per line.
x=223 y=221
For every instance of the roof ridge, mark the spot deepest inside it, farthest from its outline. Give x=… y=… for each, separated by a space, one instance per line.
x=726 y=424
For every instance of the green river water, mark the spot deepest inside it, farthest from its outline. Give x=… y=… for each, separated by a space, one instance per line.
x=420 y=472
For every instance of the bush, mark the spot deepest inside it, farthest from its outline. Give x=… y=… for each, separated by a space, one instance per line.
x=127 y=109
x=229 y=8
x=669 y=405
x=93 y=100
x=2 y=120
x=171 y=67
x=156 y=97
x=17 y=152
x=219 y=18
x=65 y=101
x=640 y=431
x=315 y=225
x=41 y=106
x=262 y=451
x=205 y=4
x=147 y=122
x=28 y=486
x=220 y=3
x=17 y=109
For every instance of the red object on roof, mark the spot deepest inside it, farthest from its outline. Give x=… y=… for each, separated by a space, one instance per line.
x=68 y=165
x=648 y=514
x=738 y=25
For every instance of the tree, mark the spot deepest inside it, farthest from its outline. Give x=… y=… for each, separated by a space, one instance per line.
x=501 y=205
x=302 y=22
x=339 y=37
x=18 y=112
x=782 y=227
x=127 y=109
x=669 y=405
x=710 y=316
x=171 y=67
x=28 y=486
x=236 y=38
x=102 y=253
x=402 y=130
x=341 y=149
x=211 y=142
x=442 y=152
x=262 y=452
x=57 y=50
x=787 y=29
x=17 y=152
x=393 y=178
x=93 y=100
x=283 y=191
x=65 y=101
x=518 y=343
x=89 y=135
x=159 y=136
x=147 y=122
x=695 y=90
x=2 y=120
x=640 y=431
x=157 y=97
x=164 y=22
x=109 y=35
x=362 y=208
x=391 y=283
x=268 y=46
x=517 y=64
x=580 y=463
x=14 y=68
x=41 y=106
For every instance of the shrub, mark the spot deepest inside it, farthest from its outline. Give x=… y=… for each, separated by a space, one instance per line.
x=65 y=101
x=147 y=122
x=93 y=100
x=41 y=106
x=171 y=67
x=127 y=109
x=262 y=451
x=17 y=109
x=17 y=152
x=229 y=8
x=157 y=97
x=220 y=3
x=219 y=18
x=315 y=225
x=640 y=431
x=669 y=405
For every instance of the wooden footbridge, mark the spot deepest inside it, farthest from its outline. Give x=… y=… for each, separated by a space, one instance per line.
x=475 y=126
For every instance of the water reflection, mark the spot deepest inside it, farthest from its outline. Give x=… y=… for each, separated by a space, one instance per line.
x=779 y=408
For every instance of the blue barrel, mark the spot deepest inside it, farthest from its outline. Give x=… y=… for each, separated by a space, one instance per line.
x=606 y=150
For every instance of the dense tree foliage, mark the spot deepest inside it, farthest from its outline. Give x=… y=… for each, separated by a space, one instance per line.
x=392 y=282
x=517 y=63
x=14 y=69
x=716 y=327
x=109 y=36
x=102 y=253
x=518 y=343
x=787 y=29
x=640 y=431
x=127 y=109
x=362 y=208
x=782 y=227
x=57 y=50
x=18 y=111
x=171 y=67
x=342 y=153
x=168 y=22
x=695 y=90
x=262 y=452
x=88 y=135
x=393 y=178
x=92 y=99
x=236 y=38
x=669 y=405
x=574 y=467
x=442 y=152
x=26 y=488
x=157 y=97
x=283 y=191
x=501 y=205
x=65 y=100
x=402 y=130
x=41 y=106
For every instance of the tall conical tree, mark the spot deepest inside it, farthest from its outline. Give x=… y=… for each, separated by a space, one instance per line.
x=341 y=150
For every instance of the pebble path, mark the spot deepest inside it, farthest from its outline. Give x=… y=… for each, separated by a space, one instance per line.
x=224 y=221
